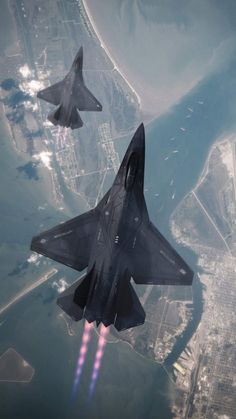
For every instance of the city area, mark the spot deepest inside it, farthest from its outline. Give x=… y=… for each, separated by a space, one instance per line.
x=205 y=220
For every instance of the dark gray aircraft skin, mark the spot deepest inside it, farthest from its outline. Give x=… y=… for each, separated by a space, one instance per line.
x=71 y=95
x=116 y=241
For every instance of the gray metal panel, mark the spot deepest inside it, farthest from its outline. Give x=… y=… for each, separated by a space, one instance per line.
x=52 y=94
x=85 y=100
x=69 y=243
x=154 y=260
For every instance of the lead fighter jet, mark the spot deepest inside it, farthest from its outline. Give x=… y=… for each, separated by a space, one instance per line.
x=71 y=95
x=116 y=241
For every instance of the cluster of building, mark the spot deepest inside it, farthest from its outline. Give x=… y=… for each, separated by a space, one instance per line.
x=205 y=376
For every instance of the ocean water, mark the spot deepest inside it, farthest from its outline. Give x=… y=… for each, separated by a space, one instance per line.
x=176 y=151
x=128 y=386
x=165 y=50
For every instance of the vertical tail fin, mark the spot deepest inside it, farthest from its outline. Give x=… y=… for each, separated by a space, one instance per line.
x=130 y=312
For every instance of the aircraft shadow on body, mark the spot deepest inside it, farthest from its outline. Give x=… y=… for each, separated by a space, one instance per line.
x=116 y=241
x=71 y=95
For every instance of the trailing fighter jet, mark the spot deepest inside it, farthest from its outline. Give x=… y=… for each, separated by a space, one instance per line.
x=71 y=95
x=116 y=241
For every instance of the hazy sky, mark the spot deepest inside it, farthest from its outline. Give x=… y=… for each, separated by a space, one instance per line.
x=166 y=47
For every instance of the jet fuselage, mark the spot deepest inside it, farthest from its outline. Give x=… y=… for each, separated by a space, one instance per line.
x=121 y=215
x=115 y=241
x=72 y=82
x=71 y=96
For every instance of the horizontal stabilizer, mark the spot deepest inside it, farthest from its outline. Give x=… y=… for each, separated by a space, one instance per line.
x=74 y=299
x=61 y=117
x=54 y=116
x=67 y=304
x=130 y=312
x=75 y=120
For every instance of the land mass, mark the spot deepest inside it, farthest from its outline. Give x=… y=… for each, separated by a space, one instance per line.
x=205 y=221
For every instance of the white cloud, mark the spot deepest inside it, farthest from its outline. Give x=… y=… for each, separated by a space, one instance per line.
x=29 y=105
x=43 y=74
x=34 y=258
x=45 y=158
x=31 y=87
x=60 y=286
x=25 y=71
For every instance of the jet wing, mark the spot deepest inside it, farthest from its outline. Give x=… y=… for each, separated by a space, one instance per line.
x=154 y=260
x=69 y=243
x=52 y=94
x=85 y=101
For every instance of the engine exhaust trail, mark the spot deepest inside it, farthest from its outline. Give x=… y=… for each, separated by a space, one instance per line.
x=98 y=359
x=82 y=356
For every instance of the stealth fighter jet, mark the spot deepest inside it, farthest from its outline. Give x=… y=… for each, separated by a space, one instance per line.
x=116 y=241
x=71 y=95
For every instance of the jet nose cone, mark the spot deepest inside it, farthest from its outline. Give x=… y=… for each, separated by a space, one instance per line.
x=140 y=130
x=132 y=166
x=138 y=139
x=80 y=53
x=78 y=61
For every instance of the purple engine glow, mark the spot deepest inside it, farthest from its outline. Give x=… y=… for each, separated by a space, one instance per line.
x=98 y=358
x=82 y=355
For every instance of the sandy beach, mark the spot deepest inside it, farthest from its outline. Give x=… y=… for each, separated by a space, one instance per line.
x=152 y=102
x=106 y=49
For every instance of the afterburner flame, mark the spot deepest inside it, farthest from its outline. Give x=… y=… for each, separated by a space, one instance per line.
x=98 y=358
x=82 y=356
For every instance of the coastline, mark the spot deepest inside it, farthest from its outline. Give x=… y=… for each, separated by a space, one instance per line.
x=116 y=67
x=205 y=169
